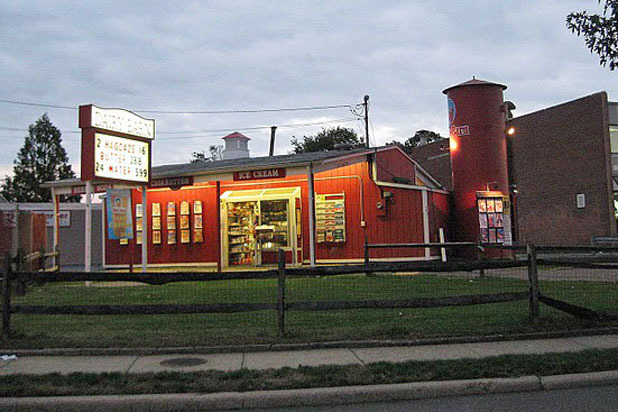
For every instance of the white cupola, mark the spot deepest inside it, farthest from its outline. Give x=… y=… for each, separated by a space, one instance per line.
x=236 y=146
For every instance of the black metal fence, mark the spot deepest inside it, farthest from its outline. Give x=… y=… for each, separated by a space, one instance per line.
x=374 y=300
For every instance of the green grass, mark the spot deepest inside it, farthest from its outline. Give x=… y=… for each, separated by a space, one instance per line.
x=307 y=377
x=37 y=331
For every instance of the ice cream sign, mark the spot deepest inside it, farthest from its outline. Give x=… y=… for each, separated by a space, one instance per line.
x=259 y=174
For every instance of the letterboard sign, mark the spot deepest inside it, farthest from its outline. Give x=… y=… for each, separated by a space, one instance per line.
x=115 y=145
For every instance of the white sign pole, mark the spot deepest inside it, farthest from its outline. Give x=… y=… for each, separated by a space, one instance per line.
x=56 y=224
x=144 y=231
x=88 y=228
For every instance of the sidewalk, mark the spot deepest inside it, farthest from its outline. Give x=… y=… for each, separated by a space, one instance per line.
x=190 y=362
x=187 y=362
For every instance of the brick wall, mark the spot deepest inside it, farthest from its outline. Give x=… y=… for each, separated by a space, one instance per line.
x=555 y=154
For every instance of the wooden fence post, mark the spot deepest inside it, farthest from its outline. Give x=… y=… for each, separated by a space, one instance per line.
x=21 y=266
x=6 y=297
x=480 y=259
x=42 y=260
x=533 y=278
x=57 y=259
x=281 y=292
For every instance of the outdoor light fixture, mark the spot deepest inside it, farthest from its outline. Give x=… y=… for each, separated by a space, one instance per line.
x=492 y=186
x=510 y=131
x=452 y=144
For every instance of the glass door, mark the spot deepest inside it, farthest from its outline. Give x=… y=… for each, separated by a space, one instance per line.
x=273 y=231
x=242 y=219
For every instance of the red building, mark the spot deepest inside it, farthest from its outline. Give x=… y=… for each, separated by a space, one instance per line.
x=239 y=212
x=562 y=165
x=554 y=181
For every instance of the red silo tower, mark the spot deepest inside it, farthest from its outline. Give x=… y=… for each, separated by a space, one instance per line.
x=477 y=124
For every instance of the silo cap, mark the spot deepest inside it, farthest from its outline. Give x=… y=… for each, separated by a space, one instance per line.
x=474 y=82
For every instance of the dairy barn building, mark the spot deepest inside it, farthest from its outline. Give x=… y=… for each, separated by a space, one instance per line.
x=547 y=177
x=237 y=212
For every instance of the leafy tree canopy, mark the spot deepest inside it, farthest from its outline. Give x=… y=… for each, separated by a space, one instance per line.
x=421 y=137
x=600 y=31
x=41 y=159
x=326 y=139
x=201 y=157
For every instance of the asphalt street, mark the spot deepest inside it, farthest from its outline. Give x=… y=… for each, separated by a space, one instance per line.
x=590 y=399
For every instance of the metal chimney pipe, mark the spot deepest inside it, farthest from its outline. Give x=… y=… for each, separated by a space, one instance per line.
x=273 y=129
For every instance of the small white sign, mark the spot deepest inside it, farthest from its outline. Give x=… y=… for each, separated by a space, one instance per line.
x=64 y=218
x=581 y=200
x=122 y=121
x=121 y=158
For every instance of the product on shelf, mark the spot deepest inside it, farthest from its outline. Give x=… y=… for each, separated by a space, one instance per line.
x=242 y=220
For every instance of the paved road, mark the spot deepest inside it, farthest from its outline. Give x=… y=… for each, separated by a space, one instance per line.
x=591 y=399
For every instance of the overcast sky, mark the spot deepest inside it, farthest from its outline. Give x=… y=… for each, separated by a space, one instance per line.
x=248 y=55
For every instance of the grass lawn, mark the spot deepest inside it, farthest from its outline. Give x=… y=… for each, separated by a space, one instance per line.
x=37 y=331
x=307 y=377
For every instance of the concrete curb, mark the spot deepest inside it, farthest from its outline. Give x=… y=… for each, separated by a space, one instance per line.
x=579 y=380
x=273 y=399
x=307 y=397
x=205 y=350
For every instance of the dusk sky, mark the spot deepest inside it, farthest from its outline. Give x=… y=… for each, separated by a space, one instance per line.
x=254 y=55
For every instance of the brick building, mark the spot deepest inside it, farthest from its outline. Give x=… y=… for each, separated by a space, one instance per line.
x=563 y=171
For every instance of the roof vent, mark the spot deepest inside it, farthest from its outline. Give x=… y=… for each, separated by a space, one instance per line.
x=344 y=146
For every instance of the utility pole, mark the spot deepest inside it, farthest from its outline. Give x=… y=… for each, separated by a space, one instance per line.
x=366 y=104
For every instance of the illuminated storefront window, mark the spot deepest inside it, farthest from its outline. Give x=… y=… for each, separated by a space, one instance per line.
x=258 y=223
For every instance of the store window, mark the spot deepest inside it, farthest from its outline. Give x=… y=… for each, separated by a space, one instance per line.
x=258 y=223
x=494 y=212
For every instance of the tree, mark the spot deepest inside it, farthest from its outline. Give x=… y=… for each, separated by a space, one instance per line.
x=600 y=32
x=421 y=137
x=200 y=157
x=41 y=159
x=326 y=139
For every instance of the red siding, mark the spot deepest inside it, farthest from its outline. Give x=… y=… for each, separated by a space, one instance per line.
x=394 y=163
x=400 y=222
x=439 y=216
x=180 y=252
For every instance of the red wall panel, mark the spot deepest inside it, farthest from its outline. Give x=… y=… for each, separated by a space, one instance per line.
x=394 y=163
x=400 y=222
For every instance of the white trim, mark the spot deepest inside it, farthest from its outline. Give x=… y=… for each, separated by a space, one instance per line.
x=163 y=265
x=359 y=260
x=144 y=244
x=410 y=187
x=88 y=229
x=56 y=212
x=442 y=250
x=103 y=233
x=34 y=207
